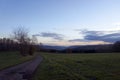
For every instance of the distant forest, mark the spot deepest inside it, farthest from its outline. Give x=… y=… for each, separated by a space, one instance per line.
x=7 y=44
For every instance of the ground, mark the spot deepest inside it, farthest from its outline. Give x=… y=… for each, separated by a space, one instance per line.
x=79 y=67
x=23 y=71
x=99 y=66
x=8 y=59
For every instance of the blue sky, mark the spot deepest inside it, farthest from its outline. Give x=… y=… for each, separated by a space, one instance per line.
x=70 y=20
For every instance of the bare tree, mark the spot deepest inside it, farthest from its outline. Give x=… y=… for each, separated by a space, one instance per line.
x=20 y=35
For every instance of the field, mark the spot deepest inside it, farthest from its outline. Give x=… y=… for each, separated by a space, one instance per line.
x=79 y=67
x=8 y=59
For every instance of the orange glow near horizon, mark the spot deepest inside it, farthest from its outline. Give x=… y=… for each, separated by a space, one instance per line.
x=66 y=43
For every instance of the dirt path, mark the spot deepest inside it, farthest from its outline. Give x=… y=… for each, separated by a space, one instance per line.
x=22 y=71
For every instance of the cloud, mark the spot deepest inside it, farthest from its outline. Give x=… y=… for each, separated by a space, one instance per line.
x=92 y=35
x=50 y=35
x=106 y=36
x=77 y=40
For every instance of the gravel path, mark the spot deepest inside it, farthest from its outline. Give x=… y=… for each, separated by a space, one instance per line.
x=22 y=71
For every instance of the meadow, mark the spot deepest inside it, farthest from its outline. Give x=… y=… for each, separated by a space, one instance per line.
x=8 y=59
x=99 y=66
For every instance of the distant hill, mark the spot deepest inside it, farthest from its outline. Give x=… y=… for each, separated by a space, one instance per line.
x=54 y=47
x=91 y=48
x=79 y=48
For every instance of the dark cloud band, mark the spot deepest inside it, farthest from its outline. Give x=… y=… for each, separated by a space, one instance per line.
x=51 y=35
x=106 y=36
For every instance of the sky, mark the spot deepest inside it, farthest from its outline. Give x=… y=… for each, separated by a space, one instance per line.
x=63 y=22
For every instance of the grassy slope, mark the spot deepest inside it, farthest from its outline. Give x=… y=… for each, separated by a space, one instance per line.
x=8 y=59
x=79 y=67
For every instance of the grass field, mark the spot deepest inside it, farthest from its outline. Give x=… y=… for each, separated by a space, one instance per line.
x=79 y=67
x=8 y=59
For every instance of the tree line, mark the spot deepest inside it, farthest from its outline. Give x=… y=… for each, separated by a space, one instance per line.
x=7 y=44
x=26 y=46
x=20 y=41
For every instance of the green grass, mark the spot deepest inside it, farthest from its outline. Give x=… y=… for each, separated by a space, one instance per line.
x=8 y=59
x=79 y=67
